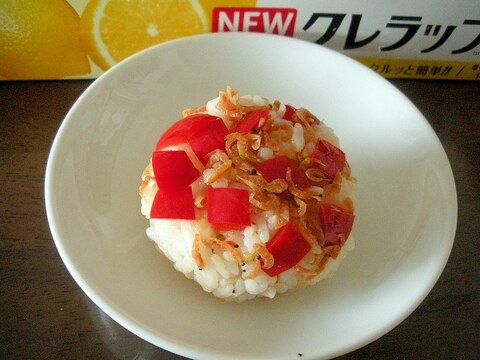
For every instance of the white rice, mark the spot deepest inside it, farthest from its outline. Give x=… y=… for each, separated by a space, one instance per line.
x=221 y=275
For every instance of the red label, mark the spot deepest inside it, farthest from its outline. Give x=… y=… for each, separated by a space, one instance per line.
x=265 y=20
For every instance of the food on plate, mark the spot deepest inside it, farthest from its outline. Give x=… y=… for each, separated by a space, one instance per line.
x=249 y=198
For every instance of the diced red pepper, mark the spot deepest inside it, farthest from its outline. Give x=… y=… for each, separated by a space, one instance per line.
x=287 y=247
x=228 y=208
x=289 y=112
x=173 y=204
x=331 y=159
x=203 y=132
x=181 y=131
x=276 y=168
x=251 y=121
x=173 y=169
x=208 y=139
x=336 y=224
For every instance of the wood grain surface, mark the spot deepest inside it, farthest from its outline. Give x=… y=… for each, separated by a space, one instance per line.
x=44 y=314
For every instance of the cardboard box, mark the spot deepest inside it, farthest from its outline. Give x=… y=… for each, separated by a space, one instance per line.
x=429 y=39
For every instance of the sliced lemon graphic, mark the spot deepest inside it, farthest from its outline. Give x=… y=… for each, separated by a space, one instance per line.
x=39 y=40
x=112 y=30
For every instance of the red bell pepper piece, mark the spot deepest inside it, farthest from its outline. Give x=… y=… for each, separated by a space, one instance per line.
x=173 y=204
x=276 y=168
x=173 y=169
x=336 y=224
x=181 y=131
x=228 y=208
x=251 y=121
x=203 y=132
x=287 y=247
x=289 y=111
x=331 y=158
x=208 y=139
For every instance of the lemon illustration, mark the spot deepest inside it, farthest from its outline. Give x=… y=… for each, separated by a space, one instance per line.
x=112 y=30
x=39 y=40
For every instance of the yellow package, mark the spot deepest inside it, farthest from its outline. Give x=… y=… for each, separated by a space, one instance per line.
x=68 y=39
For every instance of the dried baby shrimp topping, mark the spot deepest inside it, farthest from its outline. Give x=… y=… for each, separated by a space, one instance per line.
x=259 y=185
x=314 y=268
x=239 y=157
x=234 y=107
x=310 y=193
x=243 y=145
x=147 y=178
x=265 y=256
x=265 y=202
x=260 y=259
x=214 y=245
x=200 y=109
x=218 y=164
x=316 y=176
x=306 y=232
x=301 y=208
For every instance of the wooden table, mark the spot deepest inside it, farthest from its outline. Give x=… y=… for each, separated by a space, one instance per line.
x=44 y=314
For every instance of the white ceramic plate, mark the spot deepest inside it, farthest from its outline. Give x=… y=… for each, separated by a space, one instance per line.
x=406 y=215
